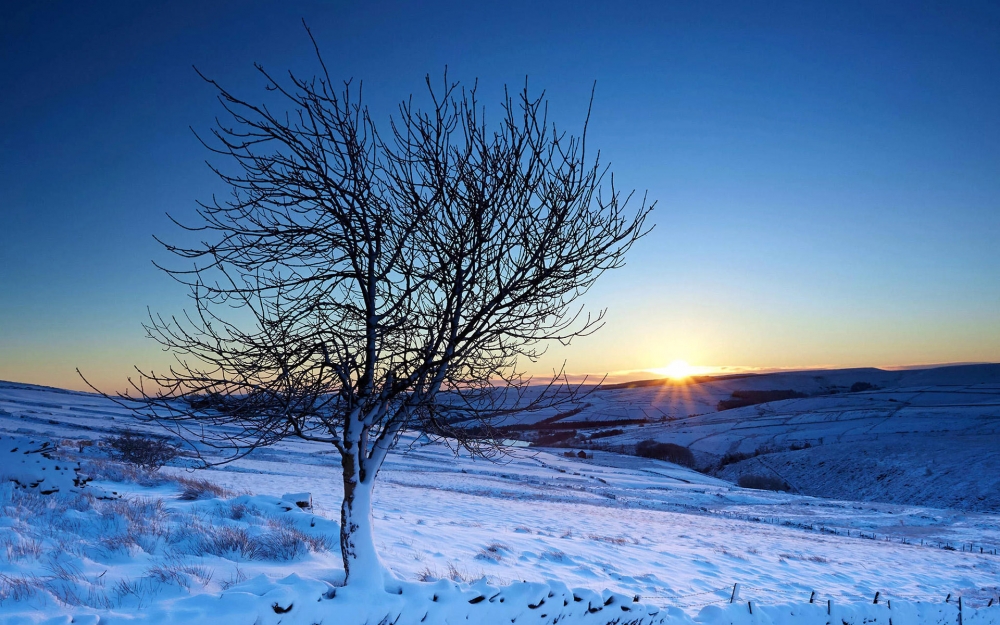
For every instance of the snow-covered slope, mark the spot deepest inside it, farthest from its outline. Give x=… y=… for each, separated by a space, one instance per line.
x=656 y=400
x=936 y=445
x=674 y=537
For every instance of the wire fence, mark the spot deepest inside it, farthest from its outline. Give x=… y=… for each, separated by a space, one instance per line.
x=737 y=593
x=689 y=604
x=970 y=547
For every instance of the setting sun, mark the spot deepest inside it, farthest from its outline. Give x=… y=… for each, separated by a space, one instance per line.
x=678 y=370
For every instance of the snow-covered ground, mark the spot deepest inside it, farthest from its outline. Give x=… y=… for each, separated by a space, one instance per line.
x=677 y=539
x=924 y=445
x=665 y=399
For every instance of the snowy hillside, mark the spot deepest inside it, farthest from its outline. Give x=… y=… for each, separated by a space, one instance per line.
x=673 y=538
x=912 y=442
x=665 y=399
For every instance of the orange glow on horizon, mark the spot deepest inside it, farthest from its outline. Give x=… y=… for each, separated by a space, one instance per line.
x=680 y=370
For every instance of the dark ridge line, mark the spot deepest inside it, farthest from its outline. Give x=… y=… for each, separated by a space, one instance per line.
x=572 y=425
x=695 y=379
x=27 y=386
x=702 y=379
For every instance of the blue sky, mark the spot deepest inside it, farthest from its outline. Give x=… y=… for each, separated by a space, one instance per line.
x=827 y=176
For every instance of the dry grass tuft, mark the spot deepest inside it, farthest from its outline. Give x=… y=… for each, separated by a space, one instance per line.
x=803 y=558
x=554 y=555
x=19 y=587
x=236 y=577
x=51 y=535
x=454 y=574
x=15 y=549
x=179 y=574
x=614 y=540
x=280 y=541
x=200 y=489
x=493 y=552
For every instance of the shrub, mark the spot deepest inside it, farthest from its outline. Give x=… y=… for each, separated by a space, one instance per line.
x=101 y=469
x=734 y=457
x=859 y=387
x=739 y=456
x=150 y=453
x=568 y=413
x=665 y=451
x=606 y=433
x=554 y=438
x=740 y=399
x=763 y=482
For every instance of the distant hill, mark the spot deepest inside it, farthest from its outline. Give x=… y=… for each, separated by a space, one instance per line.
x=917 y=436
x=928 y=437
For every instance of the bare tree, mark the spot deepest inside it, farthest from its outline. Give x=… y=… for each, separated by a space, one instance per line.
x=357 y=283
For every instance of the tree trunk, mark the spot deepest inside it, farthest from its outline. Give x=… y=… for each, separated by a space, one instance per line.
x=357 y=540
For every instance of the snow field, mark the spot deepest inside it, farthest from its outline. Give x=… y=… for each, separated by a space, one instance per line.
x=927 y=446
x=198 y=547
x=78 y=550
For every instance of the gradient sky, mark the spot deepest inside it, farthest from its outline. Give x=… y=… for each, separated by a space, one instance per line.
x=828 y=175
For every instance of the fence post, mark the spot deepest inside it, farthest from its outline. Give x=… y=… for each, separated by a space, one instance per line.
x=960 y=610
x=750 y=605
x=829 y=607
x=812 y=596
x=876 y=598
x=736 y=593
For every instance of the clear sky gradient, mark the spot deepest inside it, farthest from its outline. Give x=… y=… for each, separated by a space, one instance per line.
x=828 y=175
